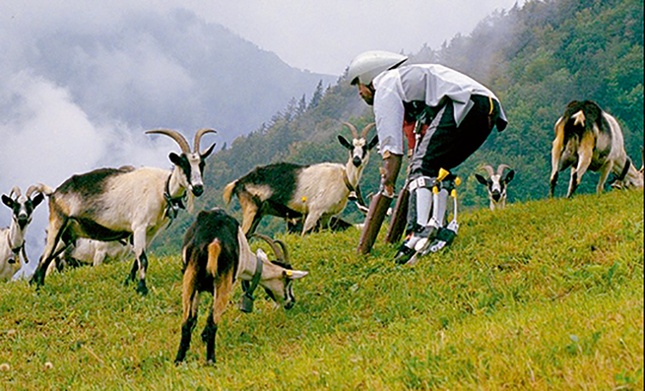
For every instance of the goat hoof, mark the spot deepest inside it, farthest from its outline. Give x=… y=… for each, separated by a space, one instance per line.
x=142 y=289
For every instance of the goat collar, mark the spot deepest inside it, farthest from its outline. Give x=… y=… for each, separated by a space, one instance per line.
x=16 y=249
x=173 y=204
x=249 y=288
x=354 y=192
x=623 y=173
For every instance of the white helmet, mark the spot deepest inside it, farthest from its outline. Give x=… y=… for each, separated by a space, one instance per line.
x=366 y=66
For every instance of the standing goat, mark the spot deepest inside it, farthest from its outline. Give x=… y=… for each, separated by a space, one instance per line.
x=496 y=184
x=288 y=190
x=216 y=254
x=123 y=204
x=12 y=239
x=586 y=137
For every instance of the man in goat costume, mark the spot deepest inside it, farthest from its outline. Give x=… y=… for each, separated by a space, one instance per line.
x=459 y=113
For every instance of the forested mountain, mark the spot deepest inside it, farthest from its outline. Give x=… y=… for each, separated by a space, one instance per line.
x=536 y=58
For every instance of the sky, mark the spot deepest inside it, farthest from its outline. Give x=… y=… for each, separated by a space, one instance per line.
x=46 y=134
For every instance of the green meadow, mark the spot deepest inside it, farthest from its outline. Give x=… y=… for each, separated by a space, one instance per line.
x=543 y=295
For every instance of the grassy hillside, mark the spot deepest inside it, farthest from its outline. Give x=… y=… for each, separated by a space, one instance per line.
x=544 y=295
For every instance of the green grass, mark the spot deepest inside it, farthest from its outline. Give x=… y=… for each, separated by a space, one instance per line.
x=543 y=295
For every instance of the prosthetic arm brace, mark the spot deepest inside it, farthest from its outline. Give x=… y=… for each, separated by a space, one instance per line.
x=380 y=202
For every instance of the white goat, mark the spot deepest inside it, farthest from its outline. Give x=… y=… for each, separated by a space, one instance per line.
x=122 y=204
x=496 y=184
x=288 y=190
x=12 y=239
x=586 y=137
x=91 y=252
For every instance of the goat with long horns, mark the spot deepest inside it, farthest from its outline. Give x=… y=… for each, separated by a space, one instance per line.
x=124 y=203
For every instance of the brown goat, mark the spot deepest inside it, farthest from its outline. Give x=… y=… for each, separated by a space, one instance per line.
x=216 y=253
x=588 y=138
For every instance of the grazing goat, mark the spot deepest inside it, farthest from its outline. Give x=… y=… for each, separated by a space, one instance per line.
x=586 y=137
x=90 y=252
x=215 y=254
x=315 y=192
x=111 y=204
x=496 y=184
x=12 y=239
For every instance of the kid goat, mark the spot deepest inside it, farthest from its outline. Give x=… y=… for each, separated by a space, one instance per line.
x=586 y=137
x=288 y=190
x=86 y=251
x=12 y=239
x=496 y=184
x=216 y=254
x=124 y=203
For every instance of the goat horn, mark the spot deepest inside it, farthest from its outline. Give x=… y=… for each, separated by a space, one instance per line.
x=501 y=167
x=198 y=137
x=181 y=140
x=31 y=190
x=367 y=129
x=15 y=190
x=278 y=251
x=489 y=170
x=352 y=128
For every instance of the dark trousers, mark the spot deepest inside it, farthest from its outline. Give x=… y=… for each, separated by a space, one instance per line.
x=445 y=145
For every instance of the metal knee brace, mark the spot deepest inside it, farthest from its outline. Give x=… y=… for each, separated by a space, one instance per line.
x=428 y=203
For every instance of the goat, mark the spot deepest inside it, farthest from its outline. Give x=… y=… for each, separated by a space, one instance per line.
x=90 y=252
x=496 y=184
x=216 y=253
x=124 y=203
x=586 y=137
x=12 y=239
x=315 y=192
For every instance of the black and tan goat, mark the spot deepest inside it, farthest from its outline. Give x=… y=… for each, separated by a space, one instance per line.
x=496 y=184
x=588 y=138
x=216 y=254
x=315 y=192
x=111 y=204
x=12 y=239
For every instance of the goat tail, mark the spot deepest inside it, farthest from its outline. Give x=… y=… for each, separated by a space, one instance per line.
x=228 y=192
x=214 y=251
x=44 y=189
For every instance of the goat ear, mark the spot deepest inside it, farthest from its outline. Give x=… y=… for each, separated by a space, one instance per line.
x=207 y=152
x=345 y=143
x=294 y=274
x=37 y=199
x=509 y=176
x=372 y=143
x=174 y=158
x=7 y=200
x=481 y=179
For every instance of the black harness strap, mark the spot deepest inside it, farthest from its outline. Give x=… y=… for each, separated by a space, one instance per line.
x=173 y=204
x=623 y=173
x=246 y=302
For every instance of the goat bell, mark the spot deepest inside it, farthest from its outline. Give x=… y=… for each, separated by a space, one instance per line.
x=246 y=303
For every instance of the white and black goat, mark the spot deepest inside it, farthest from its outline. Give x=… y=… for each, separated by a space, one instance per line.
x=315 y=192
x=124 y=203
x=496 y=184
x=588 y=138
x=12 y=239
x=92 y=252
x=216 y=254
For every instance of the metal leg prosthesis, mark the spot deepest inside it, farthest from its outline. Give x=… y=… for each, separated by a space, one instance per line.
x=429 y=199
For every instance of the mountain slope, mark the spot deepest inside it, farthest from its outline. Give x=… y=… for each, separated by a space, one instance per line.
x=543 y=295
